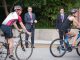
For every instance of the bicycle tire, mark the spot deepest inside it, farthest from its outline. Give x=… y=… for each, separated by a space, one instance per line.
x=53 y=44
x=27 y=50
x=3 y=52
x=78 y=48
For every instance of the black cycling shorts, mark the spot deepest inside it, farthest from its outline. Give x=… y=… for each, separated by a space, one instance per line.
x=7 y=30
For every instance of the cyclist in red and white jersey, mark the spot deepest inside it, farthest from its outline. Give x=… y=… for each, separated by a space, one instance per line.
x=10 y=20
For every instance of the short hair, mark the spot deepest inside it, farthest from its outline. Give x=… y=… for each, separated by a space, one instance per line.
x=61 y=8
x=29 y=7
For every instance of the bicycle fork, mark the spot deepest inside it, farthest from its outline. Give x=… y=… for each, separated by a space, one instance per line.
x=22 y=46
x=21 y=42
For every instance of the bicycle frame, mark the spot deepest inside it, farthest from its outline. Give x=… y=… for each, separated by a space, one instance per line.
x=23 y=49
x=78 y=36
x=21 y=41
x=66 y=39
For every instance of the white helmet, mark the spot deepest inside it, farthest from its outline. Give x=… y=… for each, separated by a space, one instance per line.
x=17 y=7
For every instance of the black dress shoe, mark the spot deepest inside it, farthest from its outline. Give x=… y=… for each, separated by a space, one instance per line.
x=32 y=46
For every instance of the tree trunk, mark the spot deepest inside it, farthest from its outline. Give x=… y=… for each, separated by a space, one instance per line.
x=5 y=7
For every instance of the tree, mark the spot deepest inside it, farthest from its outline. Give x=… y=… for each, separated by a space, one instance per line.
x=5 y=7
x=46 y=10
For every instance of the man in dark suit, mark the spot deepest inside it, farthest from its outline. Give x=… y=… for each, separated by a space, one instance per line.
x=60 y=20
x=30 y=20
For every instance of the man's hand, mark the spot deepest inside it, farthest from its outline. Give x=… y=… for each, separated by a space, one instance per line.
x=35 y=21
x=29 y=33
x=20 y=30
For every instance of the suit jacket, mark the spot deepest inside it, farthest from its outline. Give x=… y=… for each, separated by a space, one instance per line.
x=59 y=22
x=27 y=20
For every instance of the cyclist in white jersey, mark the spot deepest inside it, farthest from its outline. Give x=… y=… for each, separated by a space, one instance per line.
x=7 y=30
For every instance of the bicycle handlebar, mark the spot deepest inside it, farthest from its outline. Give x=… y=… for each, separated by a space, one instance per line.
x=19 y=34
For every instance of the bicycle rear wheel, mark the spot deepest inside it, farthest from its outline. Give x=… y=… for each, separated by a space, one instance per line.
x=78 y=48
x=56 y=49
x=23 y=53
x=3 y=51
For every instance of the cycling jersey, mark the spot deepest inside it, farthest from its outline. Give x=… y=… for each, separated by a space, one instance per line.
x=8 y=22
x=11 y=18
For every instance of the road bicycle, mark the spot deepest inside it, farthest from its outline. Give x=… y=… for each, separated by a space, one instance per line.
x=21 y=51
x=4 y=50
x=58 y=50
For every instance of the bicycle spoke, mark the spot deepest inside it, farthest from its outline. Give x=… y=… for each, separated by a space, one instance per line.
x=3 y=52
x=56 y=49
x=23 y=53
x=78 y=48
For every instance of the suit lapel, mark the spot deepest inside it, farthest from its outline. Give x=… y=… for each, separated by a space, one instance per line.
x=59 y=16
x=28 y=15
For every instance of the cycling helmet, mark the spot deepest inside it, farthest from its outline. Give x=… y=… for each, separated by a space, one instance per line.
x=17 y=7
x=73 y=11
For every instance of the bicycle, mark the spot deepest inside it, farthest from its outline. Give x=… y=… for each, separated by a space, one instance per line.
x=4 y=50
x=22 y=52
x=58 y=50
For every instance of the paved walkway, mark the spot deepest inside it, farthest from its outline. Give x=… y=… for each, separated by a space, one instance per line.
x=44 y=54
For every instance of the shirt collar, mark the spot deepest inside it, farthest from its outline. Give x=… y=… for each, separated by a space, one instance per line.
x=62 y=14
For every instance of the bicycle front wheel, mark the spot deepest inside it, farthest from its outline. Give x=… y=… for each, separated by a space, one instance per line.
x=78 y=48
x=56 y=49
x=23 y=52
x=3 y=51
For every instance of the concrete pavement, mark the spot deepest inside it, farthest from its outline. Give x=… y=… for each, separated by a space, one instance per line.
x=44 y=54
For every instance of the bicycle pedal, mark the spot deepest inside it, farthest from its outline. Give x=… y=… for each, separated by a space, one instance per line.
x=11 y=57
x=23 y=49
x=69 y=49
x=6 y=45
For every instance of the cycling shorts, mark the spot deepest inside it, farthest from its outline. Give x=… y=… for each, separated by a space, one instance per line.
x=7 y=30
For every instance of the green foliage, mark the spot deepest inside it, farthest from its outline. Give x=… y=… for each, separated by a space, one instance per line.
x=47 y=10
